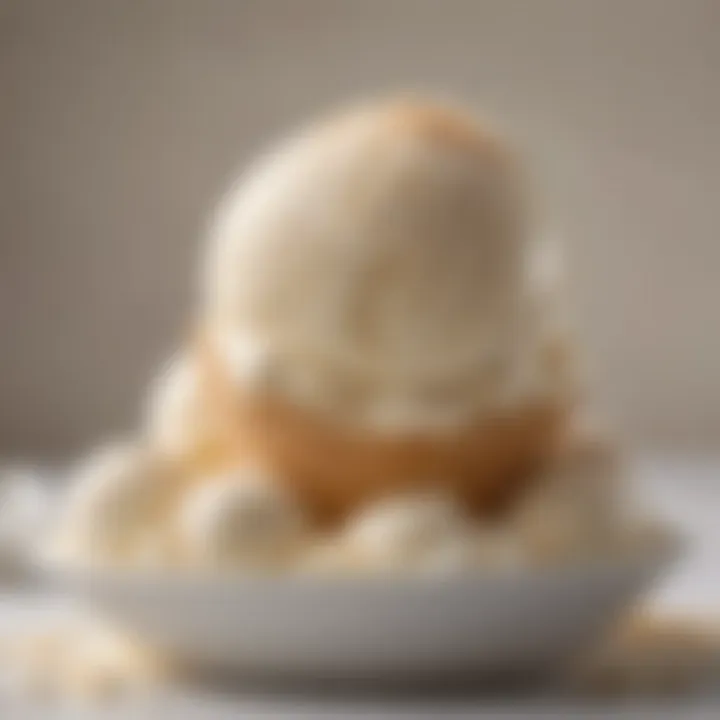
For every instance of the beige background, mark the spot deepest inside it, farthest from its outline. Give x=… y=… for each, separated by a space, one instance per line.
x=122 y=120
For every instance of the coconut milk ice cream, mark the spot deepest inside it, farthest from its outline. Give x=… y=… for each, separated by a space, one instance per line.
x=374 y=313
x=381 y=323
x=378 y=266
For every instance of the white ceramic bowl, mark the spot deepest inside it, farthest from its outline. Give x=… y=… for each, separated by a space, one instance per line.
x=401 y=628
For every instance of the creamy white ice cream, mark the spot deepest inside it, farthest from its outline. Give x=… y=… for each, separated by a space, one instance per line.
x=413 y=532
x=240 y=519
x=116 y=504
x=378 y=266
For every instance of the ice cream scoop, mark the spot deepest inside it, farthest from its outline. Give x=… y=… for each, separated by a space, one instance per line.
x=239 y=519
x=116 y=504
x=428 y=532
x=374 y=313
x=375 y=266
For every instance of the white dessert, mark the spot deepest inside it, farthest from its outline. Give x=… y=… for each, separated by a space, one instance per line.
x=381 y=267
x=127 y=507
x=117 y=504
x=574 y=514
x=241 y=519
x=425 y=532
x=385 y=268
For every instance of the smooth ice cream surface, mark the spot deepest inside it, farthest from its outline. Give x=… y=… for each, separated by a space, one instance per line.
x=403 y=531
x=128 y=508
x=117 y=499
x=377 y=265
x=241 y=518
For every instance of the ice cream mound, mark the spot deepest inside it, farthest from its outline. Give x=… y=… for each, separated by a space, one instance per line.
x=381 y=378
x=379 y=313
x=381 y=371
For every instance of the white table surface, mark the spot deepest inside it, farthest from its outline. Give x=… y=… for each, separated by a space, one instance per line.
x=685 y=491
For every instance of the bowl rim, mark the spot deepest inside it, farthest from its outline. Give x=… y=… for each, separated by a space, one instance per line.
x=669 y=548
